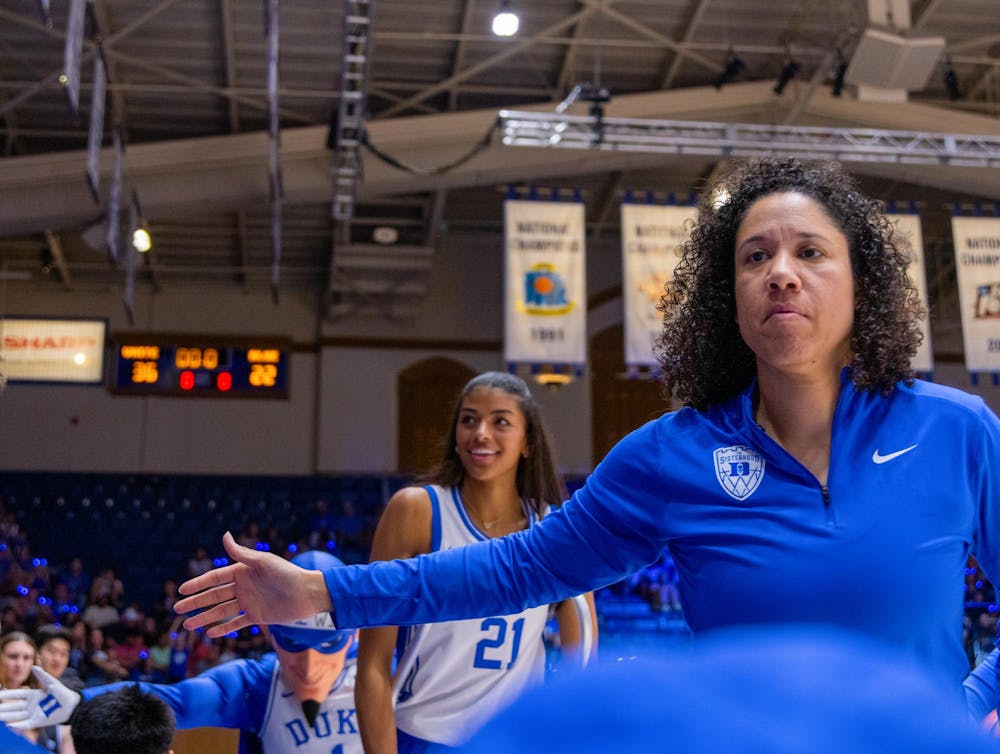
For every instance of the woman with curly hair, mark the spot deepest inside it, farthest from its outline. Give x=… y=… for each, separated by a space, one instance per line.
x=809 y=480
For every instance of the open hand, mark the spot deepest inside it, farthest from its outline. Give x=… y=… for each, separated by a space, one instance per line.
x=258 y=587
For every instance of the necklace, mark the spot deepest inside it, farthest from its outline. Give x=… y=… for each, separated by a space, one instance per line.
x=482 y=523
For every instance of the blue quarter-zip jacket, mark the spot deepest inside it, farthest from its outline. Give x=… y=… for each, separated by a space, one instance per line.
x=913 y=488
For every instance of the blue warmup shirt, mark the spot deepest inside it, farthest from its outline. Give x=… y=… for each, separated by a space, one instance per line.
x=912 y=490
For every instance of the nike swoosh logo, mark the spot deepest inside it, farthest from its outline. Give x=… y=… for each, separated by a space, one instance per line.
x=877 y=458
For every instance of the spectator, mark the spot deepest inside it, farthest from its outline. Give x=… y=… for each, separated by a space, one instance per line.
x=101 y=666
x=54 y=645
x=107 y=584
x=77 y=582
x=101 y=613
x=199 y=562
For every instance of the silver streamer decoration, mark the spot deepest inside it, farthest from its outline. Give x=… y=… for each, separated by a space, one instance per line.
x=114 y=196
x=131 y=259
x=274 y=158
x=45 y=13
x=96 y=134
x=72 y=53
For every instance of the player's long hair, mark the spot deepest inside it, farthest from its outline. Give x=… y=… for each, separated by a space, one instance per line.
x=537 y=480
x=703 y=358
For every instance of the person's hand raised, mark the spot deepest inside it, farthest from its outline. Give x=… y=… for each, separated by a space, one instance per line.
x=52 y=704
x=258 y=587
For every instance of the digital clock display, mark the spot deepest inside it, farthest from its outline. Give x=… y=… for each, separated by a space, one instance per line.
x=213 y=370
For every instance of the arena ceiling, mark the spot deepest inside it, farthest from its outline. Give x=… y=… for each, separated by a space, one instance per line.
x=188 y=87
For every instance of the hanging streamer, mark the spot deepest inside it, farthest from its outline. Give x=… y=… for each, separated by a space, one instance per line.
x=274 y=156
x=545 y=282
x=96 y=134
x=72 y=53
x=45 y=12
x=114 y=196
x=909 y=226
x=651 y=236
x=131 y=258
x=977 y=264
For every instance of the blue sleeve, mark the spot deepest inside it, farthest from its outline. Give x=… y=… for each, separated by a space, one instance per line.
x=609 y=528
x=11 y=743
x=981 y=687
x=986 y=539
x=231 y=695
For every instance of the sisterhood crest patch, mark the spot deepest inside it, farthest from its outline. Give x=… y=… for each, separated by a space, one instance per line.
x=739 y=469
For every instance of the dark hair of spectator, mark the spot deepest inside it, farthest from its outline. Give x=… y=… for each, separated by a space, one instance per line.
x=126 y=721
x=49 y=632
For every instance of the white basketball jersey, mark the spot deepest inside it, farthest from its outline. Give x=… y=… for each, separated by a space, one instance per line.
x=335 y=731
x=454 y=676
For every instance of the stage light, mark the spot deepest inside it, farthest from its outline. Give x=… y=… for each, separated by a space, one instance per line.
x=141 y=240
x=838 y=78
x=951 y=82
x=789 y=72
x=506 y=21
x=734 y=67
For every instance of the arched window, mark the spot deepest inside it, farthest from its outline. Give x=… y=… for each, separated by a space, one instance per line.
x=425 y=394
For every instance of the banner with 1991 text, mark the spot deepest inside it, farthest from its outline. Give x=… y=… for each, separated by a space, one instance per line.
x=909 y=227
x=651 y=236
x=545 y=299
x=977 y=263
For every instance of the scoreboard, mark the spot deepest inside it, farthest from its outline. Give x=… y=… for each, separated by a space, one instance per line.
x=256 y=371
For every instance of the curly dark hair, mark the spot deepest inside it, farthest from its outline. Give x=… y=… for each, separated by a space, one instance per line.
x=703 y=358
x=537 y=480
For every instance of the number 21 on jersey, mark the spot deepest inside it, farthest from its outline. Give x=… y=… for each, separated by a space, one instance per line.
x=493 y=650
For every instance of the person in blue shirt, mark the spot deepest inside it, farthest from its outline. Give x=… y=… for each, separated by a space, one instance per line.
x=810 y=479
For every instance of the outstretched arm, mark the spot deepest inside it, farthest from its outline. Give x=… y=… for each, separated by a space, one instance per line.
x=612 y=526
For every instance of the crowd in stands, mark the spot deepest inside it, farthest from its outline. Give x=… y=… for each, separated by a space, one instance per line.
x=116 y=635
x=113 y=635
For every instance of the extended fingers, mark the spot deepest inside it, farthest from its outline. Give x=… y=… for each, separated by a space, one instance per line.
x=12 y=708
x=219 y=620
x=209 y=579
x=208 y=598
x=215 y=613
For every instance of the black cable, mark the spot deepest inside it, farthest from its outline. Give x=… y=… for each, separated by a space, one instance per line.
x=483 y=144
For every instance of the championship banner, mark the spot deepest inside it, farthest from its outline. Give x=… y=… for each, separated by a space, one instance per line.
x=651 y=235
x=909 y=226
x=546 y=283
x=52 y=350
x=977 y=263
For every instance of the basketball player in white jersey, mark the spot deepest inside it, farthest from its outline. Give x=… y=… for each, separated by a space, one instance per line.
x=497 y=477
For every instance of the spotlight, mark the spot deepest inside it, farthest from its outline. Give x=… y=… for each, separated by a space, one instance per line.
x=951 y=83
x=734 y=67
x=838 y=78
x=505 y=22
x=789 y=72
x=141 y=240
